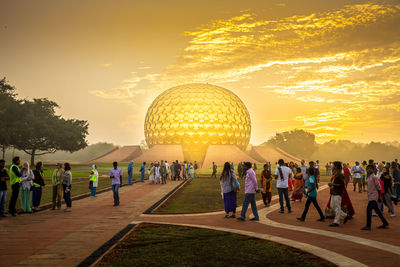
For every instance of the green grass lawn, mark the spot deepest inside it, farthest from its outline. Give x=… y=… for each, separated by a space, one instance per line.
x=200 y=195
x=165 y=245
x=203 y=194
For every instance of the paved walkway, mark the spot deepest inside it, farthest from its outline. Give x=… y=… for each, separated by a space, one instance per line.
x=346 y=245
x=59 y=238
x=50 y=238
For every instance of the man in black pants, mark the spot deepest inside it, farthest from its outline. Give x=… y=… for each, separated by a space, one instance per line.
x=311 y=194
x=374 y=191
x=15 y=180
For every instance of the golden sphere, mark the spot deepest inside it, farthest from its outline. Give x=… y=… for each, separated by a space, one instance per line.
x=196 y=116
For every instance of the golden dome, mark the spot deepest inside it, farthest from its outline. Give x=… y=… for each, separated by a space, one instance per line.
x=196 y=116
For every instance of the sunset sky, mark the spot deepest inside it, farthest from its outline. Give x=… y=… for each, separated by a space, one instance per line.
x=329 y=67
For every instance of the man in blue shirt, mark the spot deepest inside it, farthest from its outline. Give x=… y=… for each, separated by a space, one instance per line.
x=142 y=171
x=311 y=194
x=130 y=172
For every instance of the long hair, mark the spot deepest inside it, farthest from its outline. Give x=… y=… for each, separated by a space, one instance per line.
x=226 y=171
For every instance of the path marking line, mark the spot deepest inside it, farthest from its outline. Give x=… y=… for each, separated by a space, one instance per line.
x=328 y=255
x=263 y=213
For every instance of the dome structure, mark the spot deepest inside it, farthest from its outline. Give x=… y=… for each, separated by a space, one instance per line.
x=196 y=116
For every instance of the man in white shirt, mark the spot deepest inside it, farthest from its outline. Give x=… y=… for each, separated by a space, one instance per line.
x=282 y=175
x=357 y=172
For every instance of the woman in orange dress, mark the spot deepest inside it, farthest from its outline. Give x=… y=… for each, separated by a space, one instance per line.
x=298 y=185
x=266 y=181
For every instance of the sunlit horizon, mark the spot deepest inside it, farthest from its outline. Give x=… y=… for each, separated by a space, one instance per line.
x=332 y=69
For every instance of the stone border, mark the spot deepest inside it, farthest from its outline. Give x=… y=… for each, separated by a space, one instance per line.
x=99 y=253
x=165 y=198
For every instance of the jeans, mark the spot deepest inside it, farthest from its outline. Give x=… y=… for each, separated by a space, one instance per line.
x=3 y=200
x=249 y=199
x=67 y=196
x=57 y=193
x=373 y=205
x=115 y=188
x=312 y=200
x=130 y=178
x=93 y=191
x=283 y=192
x=142 y=177
x=14 y=197
x=36 y=196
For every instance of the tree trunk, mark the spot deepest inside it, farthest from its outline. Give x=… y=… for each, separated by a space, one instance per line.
x=33 y=158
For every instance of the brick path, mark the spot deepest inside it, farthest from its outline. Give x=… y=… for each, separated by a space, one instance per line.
x=66 y=238
x=59 y=238
x=374 y=248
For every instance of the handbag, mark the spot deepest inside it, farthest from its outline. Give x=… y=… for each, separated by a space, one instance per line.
x=90 y=184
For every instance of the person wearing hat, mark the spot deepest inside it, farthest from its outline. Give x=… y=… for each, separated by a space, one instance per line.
x=57 y=187
x=357 y=172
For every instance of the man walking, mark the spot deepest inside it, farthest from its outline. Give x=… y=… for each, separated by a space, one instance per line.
x=116 y=176
x=142 y=172
x=163 y=172
x=57 y=187
x=282 y=175
x=177 y=171
x=396 y=181
x=251 y=188
x=374 y=191
x=130 y=172
x=3 y=187
x=214 y=170
x=336 y=188
x=357 y=172
x=196 y=166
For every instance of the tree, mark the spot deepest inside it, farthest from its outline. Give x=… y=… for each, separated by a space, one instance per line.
x=9 y=110
x=43 y=132
x=296 y=142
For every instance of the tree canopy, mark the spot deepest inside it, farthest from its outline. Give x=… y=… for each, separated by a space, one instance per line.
x=296 y=142
x=37 y=129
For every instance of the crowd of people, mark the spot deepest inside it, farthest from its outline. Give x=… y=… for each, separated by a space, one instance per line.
x=381 y=181
x=160 y=172
x=294 y=182
x=23 y=181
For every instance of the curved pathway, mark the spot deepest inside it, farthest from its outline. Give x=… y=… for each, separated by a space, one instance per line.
x=346 y=245
x=59 y=238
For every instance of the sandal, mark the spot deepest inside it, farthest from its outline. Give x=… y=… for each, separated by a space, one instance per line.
x=226 y=216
